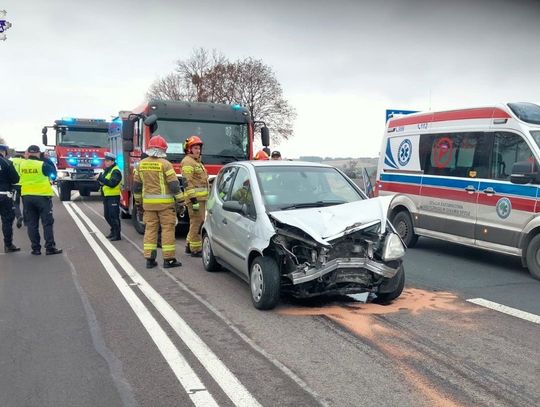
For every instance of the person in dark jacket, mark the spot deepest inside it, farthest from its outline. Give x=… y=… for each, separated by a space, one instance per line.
x=36 y=173
x=8 y=178
x=110 y=181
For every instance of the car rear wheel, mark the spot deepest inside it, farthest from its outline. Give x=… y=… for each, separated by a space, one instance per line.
x=209 y=261
x=533 y=257
x=264 y=283
x=403 y=223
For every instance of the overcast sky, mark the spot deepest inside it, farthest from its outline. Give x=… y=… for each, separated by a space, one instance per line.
x=341 y=63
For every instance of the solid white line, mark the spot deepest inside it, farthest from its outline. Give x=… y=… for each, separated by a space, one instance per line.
x=229 y=383
x=284 y=369
x=184 y=373
x=527 y=316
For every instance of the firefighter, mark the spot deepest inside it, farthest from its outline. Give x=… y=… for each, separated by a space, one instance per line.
x=110 y=181
x=155 y=189
x=16 y=160
x=196 y=189
x=261 y=155
x=8 y=178
x=36 y=192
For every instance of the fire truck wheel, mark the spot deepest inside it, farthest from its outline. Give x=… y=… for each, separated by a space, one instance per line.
x=137 y=222
x=84 y=192
x=124 y=214
x=64 y=190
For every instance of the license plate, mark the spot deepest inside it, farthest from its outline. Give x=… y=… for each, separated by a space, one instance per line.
x=84 y=165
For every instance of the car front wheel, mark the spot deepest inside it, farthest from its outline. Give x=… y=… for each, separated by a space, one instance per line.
x=209 y=261
x=264 y=283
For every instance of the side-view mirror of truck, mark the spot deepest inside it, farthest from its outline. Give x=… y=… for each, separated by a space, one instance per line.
x=44 y=135
x=523 y=172
x=127 y=130
x=265 y=136
x=151 y=121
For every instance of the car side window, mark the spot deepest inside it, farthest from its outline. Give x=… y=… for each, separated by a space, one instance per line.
x=509 y=148
x=242 y=191
x=225 y=182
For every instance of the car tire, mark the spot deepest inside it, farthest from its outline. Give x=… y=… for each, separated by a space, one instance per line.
x=209 y=261
x=64 y=189
x=264 y=283
x=385 y=298
x=533 y=257
x=404 y=226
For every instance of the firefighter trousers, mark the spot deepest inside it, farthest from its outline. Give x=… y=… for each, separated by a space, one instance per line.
x=165 y=218
x=196 y=219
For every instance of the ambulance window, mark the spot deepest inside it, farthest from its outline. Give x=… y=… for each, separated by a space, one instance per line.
x=508 y=148
x=457 y=155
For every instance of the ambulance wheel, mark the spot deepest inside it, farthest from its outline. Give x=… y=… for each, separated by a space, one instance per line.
x=533 y=257
x=64 y=190
x=403 y=223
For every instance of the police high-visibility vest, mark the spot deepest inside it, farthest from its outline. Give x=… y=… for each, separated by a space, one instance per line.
x=114 y=191
x=32 y=180
x=17 y=164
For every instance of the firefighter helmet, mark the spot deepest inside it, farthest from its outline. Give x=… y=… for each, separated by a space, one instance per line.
x=158 y=142
x=261 y=155
x=190 y=142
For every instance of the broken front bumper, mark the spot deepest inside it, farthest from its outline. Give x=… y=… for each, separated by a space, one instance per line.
x=306 y=274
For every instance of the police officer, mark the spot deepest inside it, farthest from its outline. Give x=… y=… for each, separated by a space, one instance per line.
x=16 y=160
x=36 y=192
x=8 y=178
x=110 y=181
x=196 y=188
x=156 y=188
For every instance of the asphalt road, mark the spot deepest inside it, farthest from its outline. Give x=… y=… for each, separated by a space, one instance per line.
x=93 y=327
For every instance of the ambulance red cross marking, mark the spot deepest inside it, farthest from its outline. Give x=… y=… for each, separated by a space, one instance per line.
x=442 y=152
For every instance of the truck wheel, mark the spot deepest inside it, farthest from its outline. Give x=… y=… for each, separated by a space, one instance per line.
x=124 y=214
x=209 y=261
x=65 y=191
x=403 y=223
x=398 y=281
x=137 y=221
x=264 y=281
x=84 y=192
x=533 y=257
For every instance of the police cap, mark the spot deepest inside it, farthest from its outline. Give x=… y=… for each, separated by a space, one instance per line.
x=4 y=147
x=110 y=156
x=34 y=149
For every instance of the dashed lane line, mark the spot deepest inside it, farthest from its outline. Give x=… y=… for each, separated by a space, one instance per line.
x=527 y=316
x=228 y=382
x=187 y=377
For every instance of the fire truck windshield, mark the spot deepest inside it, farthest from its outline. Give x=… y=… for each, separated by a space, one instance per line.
x=83 y=138
x=223 y=142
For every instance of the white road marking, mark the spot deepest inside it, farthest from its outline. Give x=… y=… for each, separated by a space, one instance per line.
x=527 y=316
x=185 y=374
x=229 y=383
x=272 y=359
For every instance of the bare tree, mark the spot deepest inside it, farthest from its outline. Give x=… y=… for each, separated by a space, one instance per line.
x=209 y=77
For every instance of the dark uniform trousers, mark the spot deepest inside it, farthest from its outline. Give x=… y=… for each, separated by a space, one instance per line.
x=36 y=208
x=7 y=215
x=111 y=211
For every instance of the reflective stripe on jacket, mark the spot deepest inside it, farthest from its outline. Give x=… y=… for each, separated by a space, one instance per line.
x=195 y=179
x=32 y=179
x=155 y=175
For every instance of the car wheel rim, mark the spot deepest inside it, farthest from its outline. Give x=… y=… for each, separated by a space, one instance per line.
x=206 y=251
x=257 y=283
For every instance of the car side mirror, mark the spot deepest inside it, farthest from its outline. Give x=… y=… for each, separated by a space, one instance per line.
x=265 y=136
x=523 y=172
x=234 y=206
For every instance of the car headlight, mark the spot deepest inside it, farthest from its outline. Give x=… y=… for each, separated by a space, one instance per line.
x=393 y=248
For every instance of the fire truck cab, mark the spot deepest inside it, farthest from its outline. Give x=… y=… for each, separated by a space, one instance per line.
x=226 y=130
x=78 y=152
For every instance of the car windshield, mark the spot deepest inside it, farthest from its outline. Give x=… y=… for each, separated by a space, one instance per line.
x=294 y=187
x=83 y=138
x=223 y=142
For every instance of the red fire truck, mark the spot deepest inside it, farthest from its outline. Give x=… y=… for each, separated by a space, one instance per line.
x=226 y=130
x=78 y=152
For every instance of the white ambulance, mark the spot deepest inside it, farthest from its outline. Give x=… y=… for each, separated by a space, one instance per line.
x=467 y=176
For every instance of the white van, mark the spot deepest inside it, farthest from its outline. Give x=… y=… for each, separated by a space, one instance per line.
x=468 y=176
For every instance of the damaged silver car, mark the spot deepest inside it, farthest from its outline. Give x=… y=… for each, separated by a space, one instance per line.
x=303 y=229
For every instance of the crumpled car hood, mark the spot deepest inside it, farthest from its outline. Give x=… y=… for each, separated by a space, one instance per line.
x=328 y=223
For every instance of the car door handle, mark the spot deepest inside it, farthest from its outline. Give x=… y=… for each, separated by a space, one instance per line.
x=488 y=191
x=470 y=189
x=224 y=221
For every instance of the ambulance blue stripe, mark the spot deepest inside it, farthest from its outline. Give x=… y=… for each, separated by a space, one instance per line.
x=529 y=191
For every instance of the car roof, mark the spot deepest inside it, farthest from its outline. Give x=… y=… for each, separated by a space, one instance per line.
x=285 y=163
